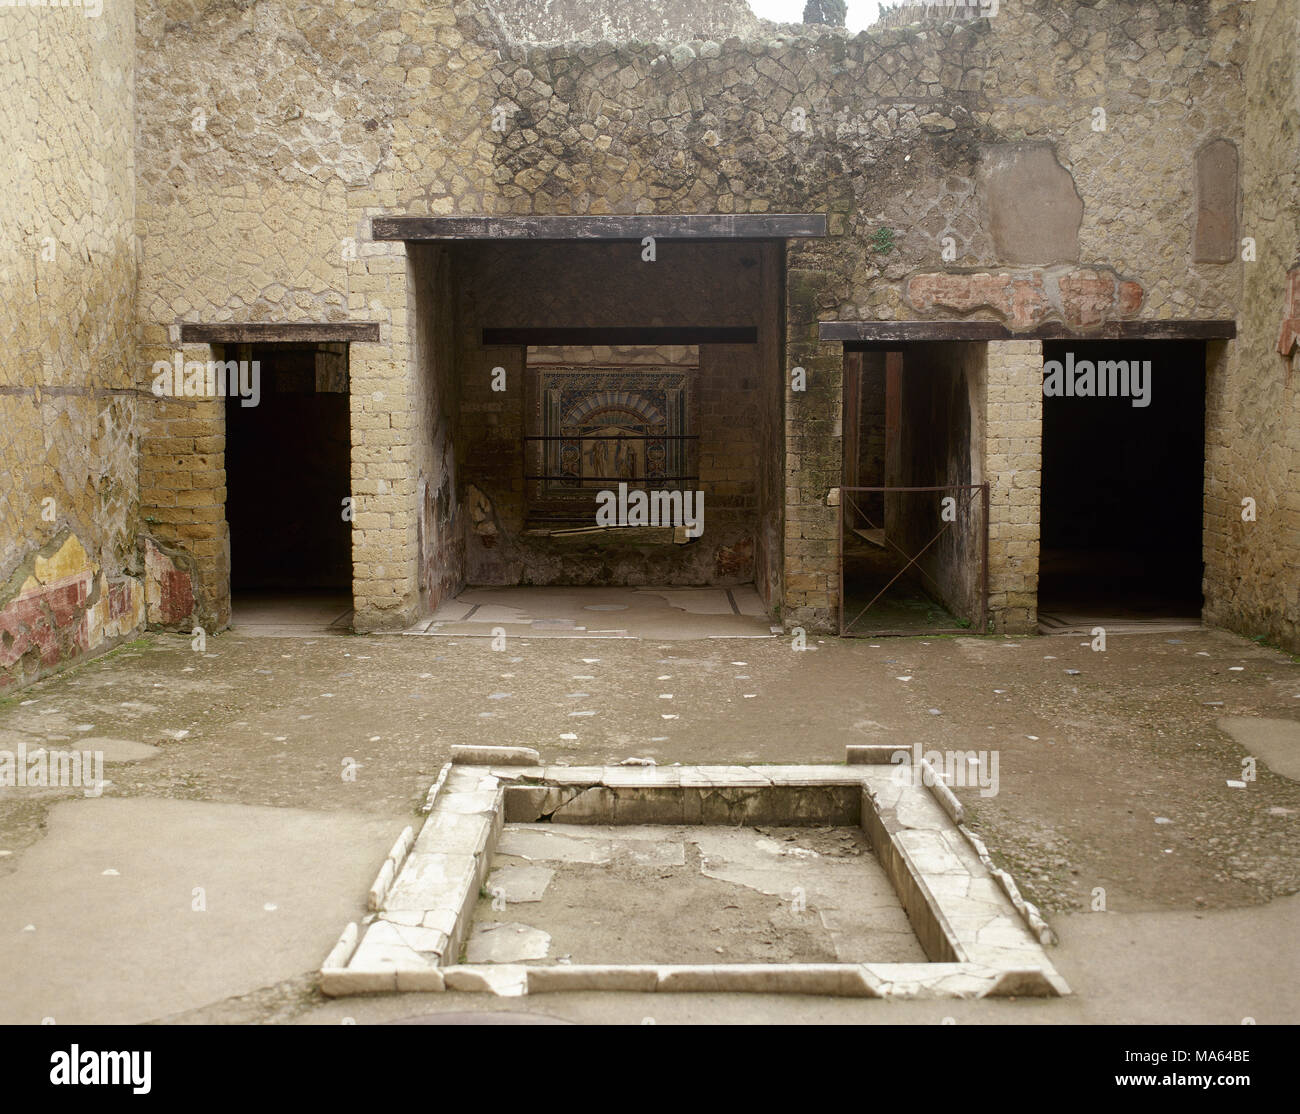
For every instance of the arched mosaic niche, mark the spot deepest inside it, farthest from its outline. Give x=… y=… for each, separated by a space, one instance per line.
x=605 y=416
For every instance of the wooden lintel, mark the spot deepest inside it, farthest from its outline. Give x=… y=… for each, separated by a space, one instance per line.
x=686 y=226
x=877 y=333
x=299 y=332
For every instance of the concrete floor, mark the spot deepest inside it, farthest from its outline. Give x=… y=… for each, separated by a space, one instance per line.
x=558 y=612
x=282 y=769
x=291 y=614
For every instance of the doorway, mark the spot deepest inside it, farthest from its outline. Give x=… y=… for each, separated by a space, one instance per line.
x=1122 y=481
x=287 y=489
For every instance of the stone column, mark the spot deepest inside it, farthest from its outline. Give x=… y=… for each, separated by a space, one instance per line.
x=1013 y=464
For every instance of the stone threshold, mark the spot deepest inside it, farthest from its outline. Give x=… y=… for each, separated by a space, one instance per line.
x=981 y=936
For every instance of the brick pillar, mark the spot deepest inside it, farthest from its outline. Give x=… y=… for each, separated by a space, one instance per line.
x=1013 y=463
x=813 y=462
x=183 y=497
x=383 y=403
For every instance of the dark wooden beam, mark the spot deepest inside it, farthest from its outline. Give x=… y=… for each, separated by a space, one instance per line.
x=874 y=334
x=295 y=333
x=689 y=226
x=636 y=335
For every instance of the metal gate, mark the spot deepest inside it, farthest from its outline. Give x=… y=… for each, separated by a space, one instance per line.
x=893 y=587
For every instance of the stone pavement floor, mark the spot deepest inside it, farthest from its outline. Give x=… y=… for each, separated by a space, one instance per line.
x=255 y=786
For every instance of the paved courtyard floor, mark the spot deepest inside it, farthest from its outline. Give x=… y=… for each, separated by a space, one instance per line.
x=256 y=784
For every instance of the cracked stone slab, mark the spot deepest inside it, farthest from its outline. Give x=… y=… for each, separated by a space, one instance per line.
x=520 y=884
x=453 y=832
x=466 y=802
x=432 y=880
x=489 y=756
x=505 y=980
x=506 y=942
x=540 y=845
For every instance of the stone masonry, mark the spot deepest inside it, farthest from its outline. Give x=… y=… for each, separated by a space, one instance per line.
x=1057 y=163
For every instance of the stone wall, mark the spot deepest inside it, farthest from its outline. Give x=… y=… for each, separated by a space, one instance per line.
x=269 y=136
x=617 y=20
x=71 y=577
x=1253 y=394
x=1054 y=162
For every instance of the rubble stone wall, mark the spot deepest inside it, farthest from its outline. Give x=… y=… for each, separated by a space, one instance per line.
x=71 y=575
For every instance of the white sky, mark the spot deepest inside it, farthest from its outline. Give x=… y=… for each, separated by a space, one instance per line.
x=862 y=13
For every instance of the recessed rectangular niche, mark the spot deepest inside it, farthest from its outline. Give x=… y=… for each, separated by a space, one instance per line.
x=1216 y=202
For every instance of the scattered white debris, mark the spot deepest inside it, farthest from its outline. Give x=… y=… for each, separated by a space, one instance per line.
x=664 y=677
x=665 y=696
x=582 y=713
x=425 y=676
x=1073 y=672
x=1034 y=737
x=935 y=712
x=1000 y=692
x=1049 y=657
x=665 y=715
x=1236 y=784
x=1202 y=653
x=281 y=738
x=1236 y=669
x=1163 y=820
x=907 y=678
x=750 y=695
x=109 y=873
x=374 y=738
x=638 y=762
x=569 y=735
x=498 y=695
x=590 y=661
x=740 y=663
x=269 y=907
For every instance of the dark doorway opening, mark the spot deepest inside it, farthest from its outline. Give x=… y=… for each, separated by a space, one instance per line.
x=1122 y=484
x=914 y=512
x=287 y=478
